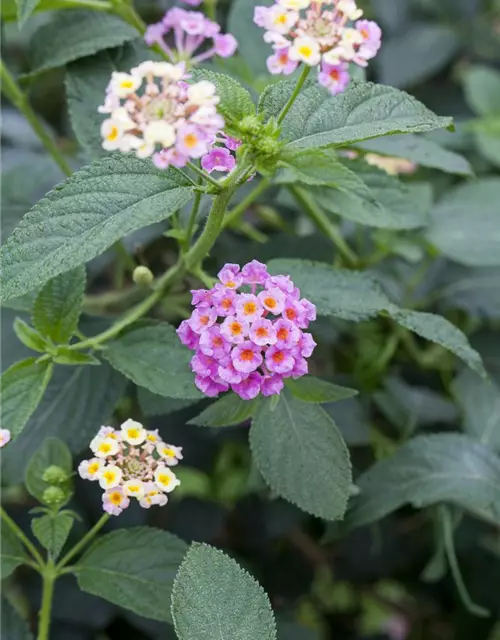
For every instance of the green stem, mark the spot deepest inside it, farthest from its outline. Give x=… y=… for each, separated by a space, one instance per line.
x=203 y=174
x=324 y=224
x=130 y=15
x=49 y=579
x=211 y=9
x=192 y=221
x=22 y=537
x=300 y=83
x=83 y=542
x=236 y=212
x=14 y=93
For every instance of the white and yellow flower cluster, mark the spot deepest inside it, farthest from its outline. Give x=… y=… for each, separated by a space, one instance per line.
x=131 y=462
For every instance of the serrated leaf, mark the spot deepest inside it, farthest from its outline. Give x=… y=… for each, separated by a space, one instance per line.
x=12 y=554
x=153 y=357
x=76 y=34
x=235 y=101
x=315 y=167
x=480 y=402
x=85 y=215
x=302 y=456
x=13 y=627
x=226 y=411
x=311 y=389
x=134 y=569
x=464 y=224
x=58 y=306
x=51 y=452
x=23 y=386
x=207 y=581
x=482 y=90
x=29 y=337
x=444 y=467
x=362 y=112
x=25 y=9
x=71 y=357
x=153 y=404
x=52 y=531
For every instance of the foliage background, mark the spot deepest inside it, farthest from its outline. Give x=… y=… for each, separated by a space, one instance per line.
x=364 y=583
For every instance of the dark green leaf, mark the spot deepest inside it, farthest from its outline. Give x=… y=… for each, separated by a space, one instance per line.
x=207 y=582
x=302 y=456
x=52 y=531
x=482 y=90
x=153 y=404
x=51 y=452
x=71 y=357
x=153 y=357
x=25 y=9
x=225 y=412
x=13 y=626
x=58 y=305
x=311 y=389
x=90 y=211
x=28 y=336
x=23 y=386
x=235 y=101
x=134 y=569
x=76 y=34
x=11 y=552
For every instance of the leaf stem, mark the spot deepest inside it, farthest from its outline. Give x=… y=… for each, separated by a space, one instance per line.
x=83 y=542
x=300 y=83
x=22 y=537
x=236 y=212
x=14 y=93
x=203 y=174
x=192 y=221
x=324 y=224
x=49 y=579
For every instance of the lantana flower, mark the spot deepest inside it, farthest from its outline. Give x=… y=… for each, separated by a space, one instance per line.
x=5 y=436
x=247 y=332
x=191 y=31
x=136 y=466
x=323 y=33
x=154 y=112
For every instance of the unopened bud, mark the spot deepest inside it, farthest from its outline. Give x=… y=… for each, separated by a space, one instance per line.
x=143 y=276
x=54 y=475
x=250 y=125
x=53 y=496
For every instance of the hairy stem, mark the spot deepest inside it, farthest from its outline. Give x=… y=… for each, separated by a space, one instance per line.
x=236 y=212
x=49 y=579
x=83 y=542
x=14 y=93
x=203 y=174
x=300 y=83
x=22 y=537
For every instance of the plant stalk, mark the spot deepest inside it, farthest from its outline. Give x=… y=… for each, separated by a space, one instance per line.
x=22 y=537
x=236 y=212
x=300 y=83
x=83 y=542
x=49 y=579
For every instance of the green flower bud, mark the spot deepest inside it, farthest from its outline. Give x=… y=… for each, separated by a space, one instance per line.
x=53 y=496
x=142 y=276
x=54 y=475
x=250 y=125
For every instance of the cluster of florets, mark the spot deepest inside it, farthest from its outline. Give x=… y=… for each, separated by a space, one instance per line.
x=5 y=436
x=248 y=332
x=319 y=36
x=191 y=30
x=131 y=462
x=154 y=112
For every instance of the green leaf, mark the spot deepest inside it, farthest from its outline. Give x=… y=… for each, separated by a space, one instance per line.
x=25 y=9
x=153 y=404
x=28 y=336
x=134 y=569
x=363 y=111
x=488 y=145
x=13 y=627
x=444 y=467
x=302 y=456
x=476 y=290
x=422 y=151
x=153 y=357
x=316 y=167
x=76 y=34
x=85 y=215
x=482 y=90
x=69 y=356
x=52 y=531
x=480 y=402
x=311 y=389
x=58 y=305
x=225 y=412
x=23 y=386
x=235 y=101
x=51 y=452
x=464 y=224
x=208 y=581
x=12 y=554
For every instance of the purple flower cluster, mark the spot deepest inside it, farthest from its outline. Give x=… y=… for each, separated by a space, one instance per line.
x=191 y=30
x=248 y=340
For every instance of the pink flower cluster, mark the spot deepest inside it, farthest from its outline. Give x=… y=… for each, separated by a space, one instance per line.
x=248 y=332
x=191 y=30
x=320 y=36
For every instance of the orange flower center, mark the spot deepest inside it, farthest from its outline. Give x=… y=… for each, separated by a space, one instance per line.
x=235 y=328
x=334 y=74
x=278 y=357
x=261 y=332
x=226 y=303
x=282 y=334
x=247 y=355
x=270 y=302
x=115 y=498
x=191 y=140
x=204 y=320
x=250 y=308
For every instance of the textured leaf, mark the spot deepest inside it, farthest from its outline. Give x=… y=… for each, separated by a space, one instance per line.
x=228 y=410
x=58 y=305
x=153 y=357
x=90 y=211
x=302 y=456
x=25 y=9
x=13 y=626
x=52 y=531
x=482 y=90
x=11 y=552
x=464 y=224
x=29 y=337
x=444 y=467
x=422 y=151
x=68 y=356
x=235 y=101
x=134 y=569
x=51 y=452
x=311 y=389
x=207 y=582
x=23 y=386
x=153 y=404
x=366 y=110
x=480 y=402
x=76 y=34
x=316 y=167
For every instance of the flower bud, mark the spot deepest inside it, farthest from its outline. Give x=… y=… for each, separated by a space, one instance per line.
x=251 y=125
x=53 y=496
x=54 y=475
x=142 y=276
